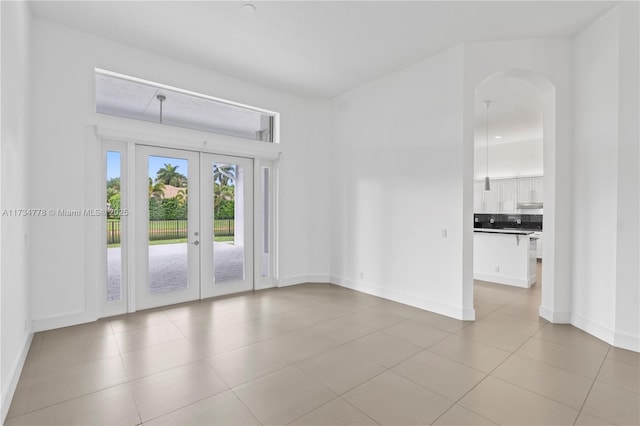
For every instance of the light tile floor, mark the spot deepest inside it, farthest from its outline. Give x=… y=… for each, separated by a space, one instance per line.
x=318 y=354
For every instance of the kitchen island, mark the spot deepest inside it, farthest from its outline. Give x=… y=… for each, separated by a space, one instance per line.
x=504 y=256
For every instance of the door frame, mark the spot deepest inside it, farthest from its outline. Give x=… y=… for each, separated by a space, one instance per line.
x=115 y=307
x=127 y=137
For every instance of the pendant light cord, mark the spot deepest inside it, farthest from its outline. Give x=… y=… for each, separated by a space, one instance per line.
x=487 y=183
x=487 y=103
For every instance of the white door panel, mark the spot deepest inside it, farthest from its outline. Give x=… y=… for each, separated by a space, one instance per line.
x=167 y=227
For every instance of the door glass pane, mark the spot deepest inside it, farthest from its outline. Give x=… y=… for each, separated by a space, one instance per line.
x=114 y=255
x=265 y=222
x=228 y=222
x=168 y=224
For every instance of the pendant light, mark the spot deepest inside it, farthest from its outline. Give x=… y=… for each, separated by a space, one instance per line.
x=161 y=98
x=487 y=185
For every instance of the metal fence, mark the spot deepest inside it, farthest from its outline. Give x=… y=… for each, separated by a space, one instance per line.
x=224 y=227
x=170 y=229
x=113 y=232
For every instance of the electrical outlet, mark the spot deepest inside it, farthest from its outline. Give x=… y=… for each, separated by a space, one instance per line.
x=443 y=233
x=497 y=269
x=361 y=275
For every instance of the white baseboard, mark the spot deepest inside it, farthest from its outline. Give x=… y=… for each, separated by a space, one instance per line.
x=506 y=280
x=43 y=324
x=588 y=326
x=14 y=375
x=407 y=299
x=553 y=316
x=620 y=340
x=264 y=286
x=626 y=341
x=302 y=279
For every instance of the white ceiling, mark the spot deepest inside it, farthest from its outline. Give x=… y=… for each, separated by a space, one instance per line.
x=515 y=113
x=315 y=48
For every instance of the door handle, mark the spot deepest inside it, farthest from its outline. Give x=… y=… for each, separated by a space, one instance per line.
x=196 y=243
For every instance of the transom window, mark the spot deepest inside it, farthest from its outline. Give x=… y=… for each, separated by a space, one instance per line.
x=130 y=97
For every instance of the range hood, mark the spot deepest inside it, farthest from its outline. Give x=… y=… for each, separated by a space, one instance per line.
x=529 y=206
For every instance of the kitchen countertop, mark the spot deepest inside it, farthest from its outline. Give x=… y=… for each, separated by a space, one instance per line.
x=503 y=231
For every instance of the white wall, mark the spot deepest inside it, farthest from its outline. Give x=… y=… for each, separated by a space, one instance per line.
x=605 y=243
x=512 y=159
x=15 y=137
x=63 y=85
x=596 y=154
x=397 y=183
x=628 y=230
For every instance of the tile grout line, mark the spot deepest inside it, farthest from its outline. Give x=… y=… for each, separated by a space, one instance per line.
x=360 y=411
x=541 y=395
x=128 y=383
x=344 y=344
x=131 y=380
x=293 y=363
x=592 y=385
x=455 y=404
x=33 y=379
x=245 y=406
x=555 y=366
x=484 y=378
x=71 y=399
x=234 y=394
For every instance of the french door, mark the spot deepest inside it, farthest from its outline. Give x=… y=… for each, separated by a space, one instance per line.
x=193 y=232
x=227 y=238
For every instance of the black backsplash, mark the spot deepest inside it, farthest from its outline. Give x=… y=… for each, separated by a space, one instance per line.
x=529 y=222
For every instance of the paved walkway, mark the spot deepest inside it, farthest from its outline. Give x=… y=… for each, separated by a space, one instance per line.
x=168 y=267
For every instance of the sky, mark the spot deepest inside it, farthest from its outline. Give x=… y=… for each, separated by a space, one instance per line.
x=113 y=164
x=155 y=164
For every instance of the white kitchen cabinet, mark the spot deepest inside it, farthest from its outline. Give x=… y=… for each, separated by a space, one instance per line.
x=501 y=199
x=530 y=190
x=505 y=194
x=492 y=198
x=508 y=195
x=537 y=191
x=524 y=190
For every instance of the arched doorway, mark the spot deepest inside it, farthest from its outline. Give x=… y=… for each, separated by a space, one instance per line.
x=555 y=298
x=508 y=192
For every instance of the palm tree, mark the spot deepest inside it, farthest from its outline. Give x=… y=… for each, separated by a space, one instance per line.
x=224 y=174
x=182 y=195
x=168 y=175
x=156 y=190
